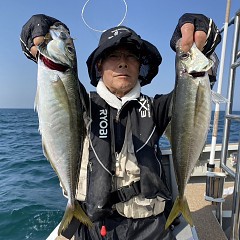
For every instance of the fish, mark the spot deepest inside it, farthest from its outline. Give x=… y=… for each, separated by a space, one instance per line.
x=190 y=121
x=60 y=115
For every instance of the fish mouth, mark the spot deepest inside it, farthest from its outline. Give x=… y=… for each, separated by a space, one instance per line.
x=52 y=65
x=197 y=74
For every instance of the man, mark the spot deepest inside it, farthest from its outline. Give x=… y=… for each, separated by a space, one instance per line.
x=124 y=190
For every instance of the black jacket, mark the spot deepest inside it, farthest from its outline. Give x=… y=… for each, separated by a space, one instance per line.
x=149 y=118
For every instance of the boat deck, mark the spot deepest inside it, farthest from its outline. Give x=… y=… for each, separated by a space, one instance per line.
x=207 y=226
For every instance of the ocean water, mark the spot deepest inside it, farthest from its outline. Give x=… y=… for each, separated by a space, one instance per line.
x=31 y=200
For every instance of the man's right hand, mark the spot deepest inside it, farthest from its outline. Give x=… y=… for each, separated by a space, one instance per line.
x=34 y=31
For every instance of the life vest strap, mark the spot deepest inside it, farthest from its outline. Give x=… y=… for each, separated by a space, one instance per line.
x=125 y=193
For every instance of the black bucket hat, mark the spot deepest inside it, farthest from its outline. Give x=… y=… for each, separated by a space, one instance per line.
x=150 y=58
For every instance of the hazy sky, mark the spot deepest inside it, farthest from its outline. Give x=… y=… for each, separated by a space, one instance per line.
x=154 y=20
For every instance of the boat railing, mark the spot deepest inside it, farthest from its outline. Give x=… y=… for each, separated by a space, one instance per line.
x=229 y=118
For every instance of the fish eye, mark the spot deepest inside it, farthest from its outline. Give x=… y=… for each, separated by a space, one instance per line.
x=63 y=35
x=184 y=56
x=70 y=49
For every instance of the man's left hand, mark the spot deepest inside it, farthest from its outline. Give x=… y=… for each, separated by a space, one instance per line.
x=199 y=29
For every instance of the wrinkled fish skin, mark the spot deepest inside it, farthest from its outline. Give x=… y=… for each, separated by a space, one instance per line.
x=190 y=121
x=60 y=117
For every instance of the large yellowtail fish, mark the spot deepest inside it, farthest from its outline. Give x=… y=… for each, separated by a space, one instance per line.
x=191 y=115
x=60 y=116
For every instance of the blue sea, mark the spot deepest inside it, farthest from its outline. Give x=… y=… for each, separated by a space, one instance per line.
x=31 y=200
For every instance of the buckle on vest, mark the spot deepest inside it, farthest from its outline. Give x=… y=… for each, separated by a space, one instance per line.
x=125 y=193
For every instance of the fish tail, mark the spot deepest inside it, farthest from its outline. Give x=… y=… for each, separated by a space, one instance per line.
x=180 y=206
x=76 y=212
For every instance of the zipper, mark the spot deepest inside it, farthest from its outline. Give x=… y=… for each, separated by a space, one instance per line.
x=120 y=110
x=117 y=116
x=90 y=166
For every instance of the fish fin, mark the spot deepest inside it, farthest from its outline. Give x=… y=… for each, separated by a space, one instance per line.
x=45 y=153
x=186 y=212
x=76 y=212
x=81 y=215
x=180 y=206
x=44 y=149
x=167 y=132
x=36 y=101
x=218 y=98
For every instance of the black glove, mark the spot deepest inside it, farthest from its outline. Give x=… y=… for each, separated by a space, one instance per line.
x=37 y=25
x=201 y=23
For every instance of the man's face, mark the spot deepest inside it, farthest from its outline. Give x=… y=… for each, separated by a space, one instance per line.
x=120 y=70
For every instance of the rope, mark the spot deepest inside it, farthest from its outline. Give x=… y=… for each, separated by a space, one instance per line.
x=97 y=30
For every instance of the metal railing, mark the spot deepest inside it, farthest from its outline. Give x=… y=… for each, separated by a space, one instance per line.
x=229 y=117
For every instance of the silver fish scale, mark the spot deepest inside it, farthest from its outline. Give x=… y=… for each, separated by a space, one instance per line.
x=60 y=116
x=190 y=119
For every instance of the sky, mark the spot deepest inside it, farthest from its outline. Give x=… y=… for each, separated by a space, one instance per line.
x=153 y=20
